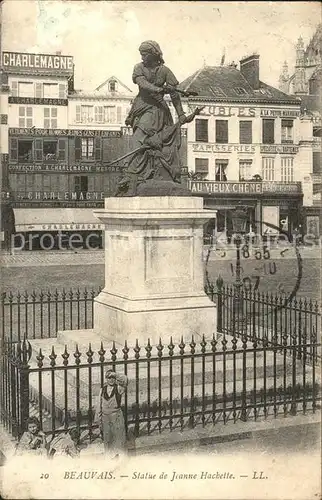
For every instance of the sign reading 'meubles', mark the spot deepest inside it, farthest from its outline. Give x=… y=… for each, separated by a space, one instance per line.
x=40 y=62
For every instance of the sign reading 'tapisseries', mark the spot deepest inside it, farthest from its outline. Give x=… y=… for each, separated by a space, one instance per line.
x=18 y=60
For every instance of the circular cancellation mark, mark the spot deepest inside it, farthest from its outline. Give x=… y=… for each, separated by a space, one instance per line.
x=299 y=263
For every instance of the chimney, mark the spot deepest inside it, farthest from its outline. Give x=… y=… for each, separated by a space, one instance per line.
x=249 y=68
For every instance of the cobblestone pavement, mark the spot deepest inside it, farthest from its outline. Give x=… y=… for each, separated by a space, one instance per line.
x=87 y=257
x=29 y=259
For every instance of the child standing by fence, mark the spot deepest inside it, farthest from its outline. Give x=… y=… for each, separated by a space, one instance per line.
x=109 y=414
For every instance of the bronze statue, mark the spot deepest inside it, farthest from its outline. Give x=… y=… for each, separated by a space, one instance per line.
x=154 y=166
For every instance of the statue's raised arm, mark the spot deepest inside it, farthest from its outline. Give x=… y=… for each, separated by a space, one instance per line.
x=154 y=166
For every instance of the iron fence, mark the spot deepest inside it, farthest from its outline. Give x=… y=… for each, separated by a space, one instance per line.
x=261 y=316
x=42 y=314
x=34 y=315
x=171 y=387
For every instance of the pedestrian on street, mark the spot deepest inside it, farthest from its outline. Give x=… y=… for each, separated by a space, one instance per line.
x=109 y=414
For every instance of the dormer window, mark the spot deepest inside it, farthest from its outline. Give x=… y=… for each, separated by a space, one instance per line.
x=240 y=91
x=217 y=92
x=112 y=85
x=265 y=92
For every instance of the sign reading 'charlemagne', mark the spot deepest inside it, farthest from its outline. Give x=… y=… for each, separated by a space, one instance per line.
x=49 y=62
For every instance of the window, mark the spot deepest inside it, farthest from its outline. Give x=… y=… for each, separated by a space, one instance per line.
x=268 y=168
x=221 y=167
x=201 y=130
x=317 y=162
x=25 y=117
x=109 y=114
x=50 y=150
x=217 y=92
x=81 y=185
x=240 y=91
x=268 y=131
x=245 y=169
x=202 y=167
x=14 y=89
x=25 y=150
x=38 y=90
x=87 y=114
x=25 y=89
x=50 y=117
x=99 y=115
x=222 y=131
x=245 y=132
x=87 y=147
x=112 y=85
x=287 y=173
x=62 y=91
x=287 y=131
x=50 y=90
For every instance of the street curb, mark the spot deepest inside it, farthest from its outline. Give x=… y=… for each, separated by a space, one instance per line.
x=222 y=433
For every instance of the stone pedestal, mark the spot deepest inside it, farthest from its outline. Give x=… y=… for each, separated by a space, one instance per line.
x=154 y=271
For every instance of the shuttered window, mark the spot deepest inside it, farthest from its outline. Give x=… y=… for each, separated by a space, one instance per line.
x=119 y=114
x=245 y=132
x=78 y=114
x=201 y=165
x=61 y=91
x=14 y=89
x=98 y=114
x=245 y=169
x=25 y=117
x=98 y=148
x=38 y=90
x=222 y=131
x=287 y=171
x=13 y=149
x=317 y=162
x=78 y=148
x=38 y=149
x=268 y=168
x=201 y=130
x=61 y=149
x=268 y=131
x=50 y=117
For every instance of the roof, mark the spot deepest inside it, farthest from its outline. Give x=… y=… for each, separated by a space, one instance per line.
x=222 y=83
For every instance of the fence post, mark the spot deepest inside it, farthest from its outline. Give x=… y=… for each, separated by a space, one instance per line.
x=23 y=368
x=219 y=284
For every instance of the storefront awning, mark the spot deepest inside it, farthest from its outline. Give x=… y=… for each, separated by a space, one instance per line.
x=55 y=219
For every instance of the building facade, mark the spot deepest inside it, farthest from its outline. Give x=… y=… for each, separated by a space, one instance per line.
x=59 y=149
x=246 y=147
x=305 y=82
x=57 y=144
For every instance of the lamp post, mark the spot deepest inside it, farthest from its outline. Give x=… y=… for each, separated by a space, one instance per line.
x=239 y=219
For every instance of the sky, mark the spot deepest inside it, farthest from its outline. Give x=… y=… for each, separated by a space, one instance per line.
x=104 y=36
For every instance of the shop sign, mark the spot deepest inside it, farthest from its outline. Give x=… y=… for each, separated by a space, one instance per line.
x=60 y=196
x=48 y=62
x=225 y=187
x=281 y=187
x=62 y=168
x=67 y=227
x=222 y=148
x=284 y=113
x=278 y=148
x=211 y=110
x=38 y=100
x=64 y=132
